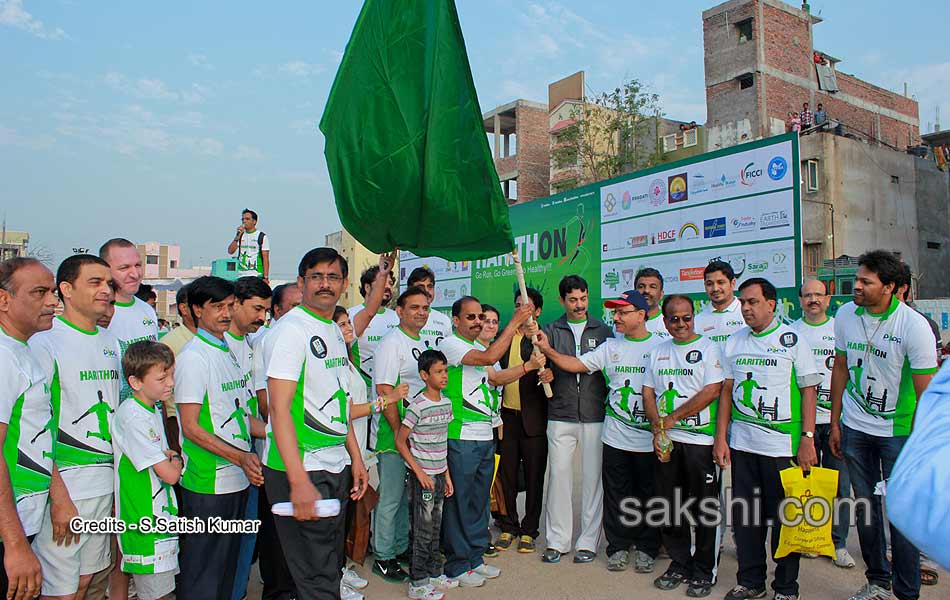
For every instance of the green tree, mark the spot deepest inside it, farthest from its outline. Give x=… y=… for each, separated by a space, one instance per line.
x=613 y=133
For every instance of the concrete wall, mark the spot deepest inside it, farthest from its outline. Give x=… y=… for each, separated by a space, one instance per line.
x=871 y=210
x=933 y=218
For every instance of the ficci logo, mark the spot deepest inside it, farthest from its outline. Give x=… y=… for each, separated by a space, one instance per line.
x=749 y=173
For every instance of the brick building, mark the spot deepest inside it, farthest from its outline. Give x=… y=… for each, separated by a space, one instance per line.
x=520 y=146
x=761 y=64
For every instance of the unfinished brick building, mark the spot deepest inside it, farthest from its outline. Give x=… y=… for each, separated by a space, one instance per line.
x=520 y=146
x=761 y=64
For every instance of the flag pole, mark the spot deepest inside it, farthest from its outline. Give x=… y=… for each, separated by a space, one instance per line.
x=519 y=272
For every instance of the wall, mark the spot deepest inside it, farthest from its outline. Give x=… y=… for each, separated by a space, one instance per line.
x=933 y=218
x=534 y=153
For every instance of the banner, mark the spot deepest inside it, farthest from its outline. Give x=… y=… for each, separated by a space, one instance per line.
x=740 y=205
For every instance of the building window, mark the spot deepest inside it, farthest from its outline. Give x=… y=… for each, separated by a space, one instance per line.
x=744 y=28
x=669 y=143
x=690 y=138
x=746 y=81
x=151 y=259
x=810 y=168
x=812 y=258
x=173 y=264
x=895 y=179
x=232 y=266
x=933 y=245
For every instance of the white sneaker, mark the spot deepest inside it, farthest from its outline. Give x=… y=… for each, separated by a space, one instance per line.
x=470 y=579
x=353 y=579
x=348 y=593
x=487 y=571
x=443 y=582
x=424 y=592
x=843 y=558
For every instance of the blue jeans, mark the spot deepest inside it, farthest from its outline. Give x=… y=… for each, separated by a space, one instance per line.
x=391 y=515
x=839 y=531
x=248 y=541
x=426 y=508
x=464 y=518
x=870 y=459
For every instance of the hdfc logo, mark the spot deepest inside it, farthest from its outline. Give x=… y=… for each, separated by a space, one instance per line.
x=663 y=237
x=749 y=173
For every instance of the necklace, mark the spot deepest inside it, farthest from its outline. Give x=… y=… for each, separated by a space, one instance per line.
x=868 y=338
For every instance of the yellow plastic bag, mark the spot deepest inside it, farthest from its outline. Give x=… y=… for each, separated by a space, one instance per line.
x=807 y=512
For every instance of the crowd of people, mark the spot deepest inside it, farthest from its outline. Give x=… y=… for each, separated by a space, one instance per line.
x=158 y=463
x=806 y=119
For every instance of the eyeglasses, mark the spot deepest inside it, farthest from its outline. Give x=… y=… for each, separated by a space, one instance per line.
x=490 y=321
x=331 y=278
x=624 y=313
x=684 y=319
x=474 y=317
x=813 y=295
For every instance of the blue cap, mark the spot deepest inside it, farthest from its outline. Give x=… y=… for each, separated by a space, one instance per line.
x=629 y=298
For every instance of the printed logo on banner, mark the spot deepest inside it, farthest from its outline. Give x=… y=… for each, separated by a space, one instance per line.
x=611 y=279
x=749 y=174
x=679 y=189
x=714 y=227
x=758 y=267
x=638 y=241
x=697 y=184
x=626 y=201
x=657 y=192
x=777 y=168
x=610 y=203
x=779 y=265
x=774 y=219
x=723 y=183
x=689 y=231
x=743 y=224
x=736 y=261
x=664 y=237
x=692 y=274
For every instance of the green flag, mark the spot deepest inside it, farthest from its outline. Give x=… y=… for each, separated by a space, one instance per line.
x=405 y=146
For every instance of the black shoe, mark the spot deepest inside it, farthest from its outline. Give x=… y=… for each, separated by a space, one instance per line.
x=741 y=592
x=670 y=580
x=390 y=570
x=491 y=551
x=699 y=588
x=405 y=558
x=584 y=556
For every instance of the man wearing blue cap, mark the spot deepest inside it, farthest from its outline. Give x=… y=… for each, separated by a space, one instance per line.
x=629 y=465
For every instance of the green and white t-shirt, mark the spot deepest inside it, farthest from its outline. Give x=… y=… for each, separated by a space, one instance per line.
x=310 y=350
x=657 y=327
x=133 y=321
x=26 y=409
x=718 y=325
x=623 y=362
x=241 y=349
x=384 y=321
x=249 y=259
x=677 y=372
x=475 y=402
x=821 y=339
x=883 y=352
x=768 y=370
x=397 y=361
x=438 y=328
x=207 y=373
x=83 y=370
x=139 y=493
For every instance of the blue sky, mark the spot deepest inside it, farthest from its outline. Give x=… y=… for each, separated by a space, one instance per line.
x=161 y=121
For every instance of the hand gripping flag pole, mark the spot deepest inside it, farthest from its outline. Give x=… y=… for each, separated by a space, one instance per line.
x=519 y=272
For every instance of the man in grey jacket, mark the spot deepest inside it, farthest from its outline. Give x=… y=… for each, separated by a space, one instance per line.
x=575 y=422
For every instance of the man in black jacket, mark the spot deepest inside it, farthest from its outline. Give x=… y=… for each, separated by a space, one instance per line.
x=523 y=440
x=575 y=422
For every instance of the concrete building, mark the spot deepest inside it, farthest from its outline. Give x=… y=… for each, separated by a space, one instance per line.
x=13 y=244
x=519 y=141
x=163 y=261
x=358 y=259
x=761 y=64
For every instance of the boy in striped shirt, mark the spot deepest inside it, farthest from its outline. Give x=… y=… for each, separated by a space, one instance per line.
x=422 y=442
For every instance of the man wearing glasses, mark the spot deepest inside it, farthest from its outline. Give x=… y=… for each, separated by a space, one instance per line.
x=629 y=465
x=818 y=329
x=396 y=361
x=473 y=377
x=680 y=391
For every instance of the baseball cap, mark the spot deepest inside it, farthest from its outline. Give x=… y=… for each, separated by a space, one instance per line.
x=629 y=298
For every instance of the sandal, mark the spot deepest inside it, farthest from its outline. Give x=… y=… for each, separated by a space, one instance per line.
x=928 y=575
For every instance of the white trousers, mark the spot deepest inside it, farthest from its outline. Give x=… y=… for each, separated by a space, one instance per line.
x=563 y=440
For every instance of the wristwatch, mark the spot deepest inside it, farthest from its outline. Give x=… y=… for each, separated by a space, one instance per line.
x=808 y=434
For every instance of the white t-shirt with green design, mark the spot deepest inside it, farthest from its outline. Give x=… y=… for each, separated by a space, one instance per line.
x=208 y=374
x=718 y=325
x=310 y=350
x=384 y=321
x=821 y=339
x=139 y=492
x=677 y=372
x=249 y=259
x=883 y=353
x=26 y=409
x=83 y=369
x=657 y=327
x=768 y=370
x=397 y=361
x=624 y=363
x=134 y=321
x=437 y=329
x=475 y=402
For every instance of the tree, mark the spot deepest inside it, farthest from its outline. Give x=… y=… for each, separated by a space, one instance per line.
x=611 y=134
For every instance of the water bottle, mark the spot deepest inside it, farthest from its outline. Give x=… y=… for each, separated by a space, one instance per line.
x=664 y=443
